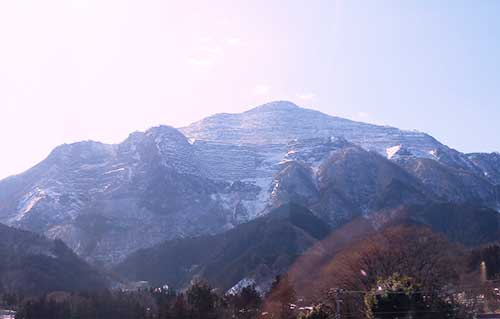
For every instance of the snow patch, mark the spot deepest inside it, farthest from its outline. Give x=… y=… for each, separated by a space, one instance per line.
x=115 y=171
x=29 y=202
x=257 y=206
x=284 y=161
x=236 y=289
x=391 y=151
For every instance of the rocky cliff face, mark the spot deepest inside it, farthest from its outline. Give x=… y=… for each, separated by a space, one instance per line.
x=106 y=201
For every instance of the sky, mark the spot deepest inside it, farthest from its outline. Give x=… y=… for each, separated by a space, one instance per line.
x=74 y=70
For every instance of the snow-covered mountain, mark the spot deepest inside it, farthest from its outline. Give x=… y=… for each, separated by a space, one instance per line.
x=106 y=201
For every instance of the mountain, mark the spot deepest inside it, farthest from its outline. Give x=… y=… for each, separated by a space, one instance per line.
x=256 y=251
x=33 y=264
x=106 y=201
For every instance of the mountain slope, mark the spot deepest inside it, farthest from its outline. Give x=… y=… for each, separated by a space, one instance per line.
x=257 y=250
x=465 y=224
x=34 y=264
x=351 y=182
x=489 y=165
x=452 y=184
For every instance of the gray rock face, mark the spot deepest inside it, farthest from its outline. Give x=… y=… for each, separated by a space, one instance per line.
x=106 y=201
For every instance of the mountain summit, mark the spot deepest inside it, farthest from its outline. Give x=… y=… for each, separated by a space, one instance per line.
x=280 y=122
x=275 y=106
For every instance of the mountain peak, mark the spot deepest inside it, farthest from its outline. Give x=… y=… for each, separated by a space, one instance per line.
x=275 y=106
x=162 y=129
x=83 y=150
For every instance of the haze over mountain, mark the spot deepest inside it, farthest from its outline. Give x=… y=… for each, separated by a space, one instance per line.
x=107 y=201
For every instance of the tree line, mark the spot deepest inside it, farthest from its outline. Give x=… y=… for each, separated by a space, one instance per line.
x=200 y=301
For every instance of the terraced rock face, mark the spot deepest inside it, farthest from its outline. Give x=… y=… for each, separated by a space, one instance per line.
x=106 y=201
x=280 y=122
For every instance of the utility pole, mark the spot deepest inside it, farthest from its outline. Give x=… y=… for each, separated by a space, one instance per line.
x=337 y=312
x=335 y=293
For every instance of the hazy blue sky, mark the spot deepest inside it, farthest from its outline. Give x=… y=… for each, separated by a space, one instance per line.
x=99 y=69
